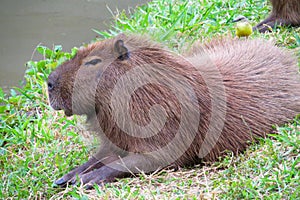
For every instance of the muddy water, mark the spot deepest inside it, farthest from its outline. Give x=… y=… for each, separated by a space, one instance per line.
x=28 y=23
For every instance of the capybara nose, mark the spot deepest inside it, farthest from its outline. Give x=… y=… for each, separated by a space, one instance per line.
x=52 y=81
x=50 y=85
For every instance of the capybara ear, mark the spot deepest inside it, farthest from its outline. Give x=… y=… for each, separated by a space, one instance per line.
x=120 y=50
x=121 y=36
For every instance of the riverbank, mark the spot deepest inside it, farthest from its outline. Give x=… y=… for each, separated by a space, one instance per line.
x=38 y=145
x=26 y=24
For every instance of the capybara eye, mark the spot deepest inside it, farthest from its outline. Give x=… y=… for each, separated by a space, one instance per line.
x=93 y=62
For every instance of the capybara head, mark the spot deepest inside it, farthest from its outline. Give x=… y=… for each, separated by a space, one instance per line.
x=82 y=73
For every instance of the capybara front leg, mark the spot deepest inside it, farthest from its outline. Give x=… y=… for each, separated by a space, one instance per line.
x=268 y=24
x=102 y=157
x=123 y=167
x=92 y=163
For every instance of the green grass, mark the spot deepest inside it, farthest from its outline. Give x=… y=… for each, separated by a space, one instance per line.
x=38 y=145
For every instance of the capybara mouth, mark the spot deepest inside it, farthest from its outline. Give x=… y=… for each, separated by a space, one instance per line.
x=67 y=111
x=55 y=107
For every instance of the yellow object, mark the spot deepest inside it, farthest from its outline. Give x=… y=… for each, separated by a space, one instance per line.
x=243 y=27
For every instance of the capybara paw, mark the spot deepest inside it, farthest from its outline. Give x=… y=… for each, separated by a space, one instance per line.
x=92 y=178
x=67 y=178
x=60 y=182
x=73 y=175
x=63 y=182
x=264 y=28
x=88 y=180
x=98 y=177
x=269 y=24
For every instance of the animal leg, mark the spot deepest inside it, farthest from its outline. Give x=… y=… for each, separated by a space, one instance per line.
x=95 y=162
x=271 y=22
x=121 y=168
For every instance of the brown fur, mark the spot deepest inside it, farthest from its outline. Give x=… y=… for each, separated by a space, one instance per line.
x=238 y=91
x=284 y=12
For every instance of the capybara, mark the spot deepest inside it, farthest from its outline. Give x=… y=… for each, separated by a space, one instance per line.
x=284 y=13
x=154 y=109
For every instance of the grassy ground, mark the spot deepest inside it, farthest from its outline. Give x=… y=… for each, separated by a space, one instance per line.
x=38 y=145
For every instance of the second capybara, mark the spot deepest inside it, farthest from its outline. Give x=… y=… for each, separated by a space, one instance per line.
x=153 y=108
x=284 y=13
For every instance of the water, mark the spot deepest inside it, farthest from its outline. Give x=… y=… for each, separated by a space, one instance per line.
x=28 y=23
